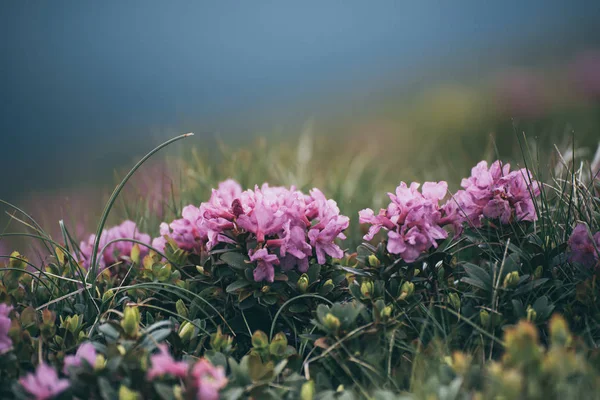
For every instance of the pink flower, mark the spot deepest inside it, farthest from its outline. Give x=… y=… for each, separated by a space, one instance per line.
x=324 y=240
x=413 y=219
x=495 y=193
x=5 y=341
x=208 y=379
x=264 y=269
x=584 y=247
x=266 y=218
x=44 y=383
x=164 y=364
x=116 y=251
x=86 y=351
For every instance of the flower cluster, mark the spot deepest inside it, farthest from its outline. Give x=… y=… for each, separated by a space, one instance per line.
x=285 y=226
x=494 y=193
x=585 y=248
x=5 y=341
x=116 y=250
x=413 y=219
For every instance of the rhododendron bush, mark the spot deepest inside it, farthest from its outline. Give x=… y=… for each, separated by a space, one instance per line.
x=258 y=293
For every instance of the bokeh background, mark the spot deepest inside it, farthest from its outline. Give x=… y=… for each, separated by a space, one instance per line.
x=403 y=90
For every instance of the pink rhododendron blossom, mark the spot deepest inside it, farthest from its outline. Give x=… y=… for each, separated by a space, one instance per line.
x=208 y=380
x=495 y=193
x=286 y=226
x=264 y=270
x=116 y=251
x=86 y=351
x=164 y=364
x=5 y=341
x=44 y=383
x=413 y=219
x=584 y=247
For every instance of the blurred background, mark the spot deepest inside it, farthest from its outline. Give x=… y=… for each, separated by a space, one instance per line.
x=424 y=89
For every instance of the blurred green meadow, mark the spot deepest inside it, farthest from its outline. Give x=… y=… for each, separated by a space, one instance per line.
x=357 y=154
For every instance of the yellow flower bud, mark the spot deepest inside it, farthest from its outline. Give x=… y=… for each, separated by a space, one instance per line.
x=406 y=290
x=131 y=320
x=307 y=392
x=454 y=300
x=332 y=322
x=366 y=289
x=186 y=332
x=511 y=279
x=374 y=261
x=302 y=283
x=531 y=314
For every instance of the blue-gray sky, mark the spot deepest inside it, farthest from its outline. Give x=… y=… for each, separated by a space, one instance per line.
x=85 y=81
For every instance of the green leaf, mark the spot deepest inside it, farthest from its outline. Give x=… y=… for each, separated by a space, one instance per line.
x=235 y=260
x=237 y=285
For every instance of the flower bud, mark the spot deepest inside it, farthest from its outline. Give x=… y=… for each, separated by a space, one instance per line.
x=200 y=269
x=374 y=261
x=484 y=318
x=331 y=322
x=181 y=308
x=406 y=290
x=537 y=274
x=48 y=317
x=278 y=344
x=303 y=282
x=366 y=289
x=130 y=321
x=511 y=279
x=307 y=392
x=260 y=340
x=100 y=362
x=127 y=394
x=386 y=313
x=327 y=286
x=531 y=314
x=454 y=300
x=559 y=331
x=17 y=260
x=186 y=332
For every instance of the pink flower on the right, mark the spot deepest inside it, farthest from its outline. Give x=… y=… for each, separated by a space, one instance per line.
x=494 y=193
x=584 y=247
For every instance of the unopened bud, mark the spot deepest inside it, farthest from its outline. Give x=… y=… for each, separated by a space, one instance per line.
x=537 y=274
x=260 y=340
x=131 y=320
x=307 y=392
x=511 y=279
x=484 y=318
x=331 y=322
x=181 y=308
x=303 y=282
x=186 y=332
x=454 y=300
x=386 y=313
x=559 y=331
x=374 y=261
x=406 y=290
x=531 y=314
x=366 y=289
x=127 y=394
